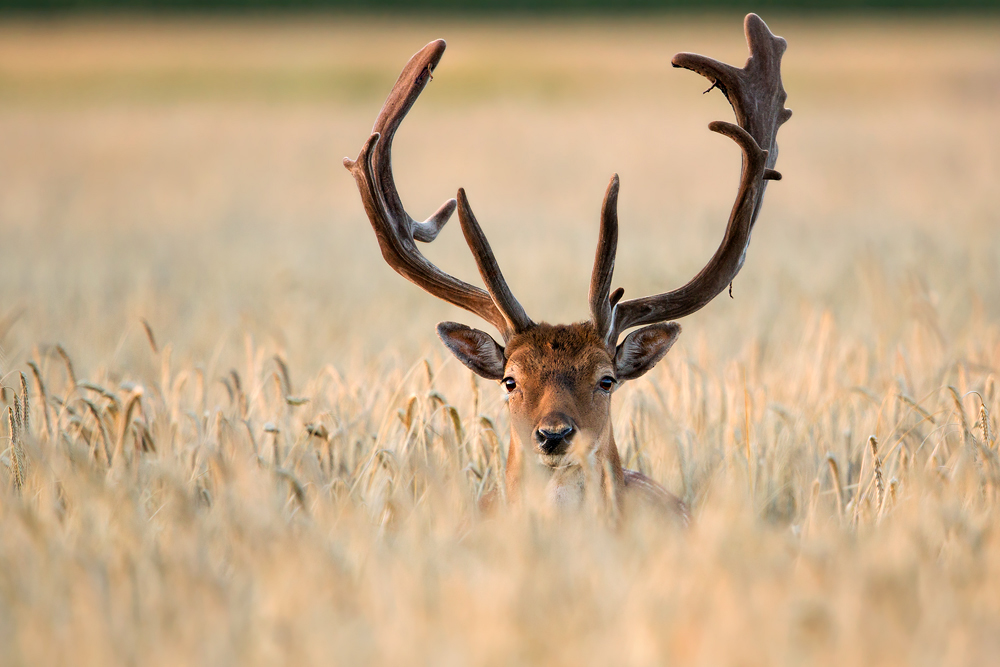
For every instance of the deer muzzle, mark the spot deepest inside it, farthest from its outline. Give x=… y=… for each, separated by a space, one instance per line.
x=554 y=434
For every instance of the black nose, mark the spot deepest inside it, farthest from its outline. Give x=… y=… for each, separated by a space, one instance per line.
x=554 y=441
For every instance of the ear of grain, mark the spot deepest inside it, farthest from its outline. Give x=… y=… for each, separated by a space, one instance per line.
x=150 y=338
x=960 y=411
x=102 y=430
x=16 y=468
x=16 y=407
x=286 y=377
x=42 y=395
x=26 y=407
x=70 y=372
x=879 y=480
x=984 y=426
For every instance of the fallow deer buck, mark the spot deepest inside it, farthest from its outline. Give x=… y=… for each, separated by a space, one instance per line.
x=560 y=378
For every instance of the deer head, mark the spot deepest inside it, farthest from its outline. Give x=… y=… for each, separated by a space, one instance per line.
x=560 y=379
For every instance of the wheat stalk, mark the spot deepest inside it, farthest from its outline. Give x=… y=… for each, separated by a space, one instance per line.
x=496 y=456
x=814 y=491
x=835 y=480
x=270 y=427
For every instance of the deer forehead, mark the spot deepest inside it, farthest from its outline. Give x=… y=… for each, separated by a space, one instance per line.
x=566 y=353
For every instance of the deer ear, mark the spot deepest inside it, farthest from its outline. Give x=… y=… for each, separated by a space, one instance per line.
x=474 y=348
x=643 y=348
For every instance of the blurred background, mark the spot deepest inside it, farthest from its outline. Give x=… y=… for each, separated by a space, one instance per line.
x=495 y=6
x=186 y=169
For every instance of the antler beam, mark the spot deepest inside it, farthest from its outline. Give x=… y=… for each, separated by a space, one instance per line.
x=397 y=232
x=757 y=97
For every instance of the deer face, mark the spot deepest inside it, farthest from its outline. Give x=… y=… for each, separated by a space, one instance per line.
x=559 y=380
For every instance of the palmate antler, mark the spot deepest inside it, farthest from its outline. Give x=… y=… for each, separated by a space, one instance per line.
x=397 y=232
x=757 y=96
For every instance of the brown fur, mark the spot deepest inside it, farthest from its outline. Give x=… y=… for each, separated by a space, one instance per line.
x=557 y=369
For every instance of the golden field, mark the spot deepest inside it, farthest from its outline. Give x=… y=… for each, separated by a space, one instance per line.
x=284 y=468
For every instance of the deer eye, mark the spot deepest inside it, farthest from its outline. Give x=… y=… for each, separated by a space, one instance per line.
x=509 y=384
x=607 y=383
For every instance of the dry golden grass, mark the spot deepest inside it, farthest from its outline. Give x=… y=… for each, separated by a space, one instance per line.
x=240 y=442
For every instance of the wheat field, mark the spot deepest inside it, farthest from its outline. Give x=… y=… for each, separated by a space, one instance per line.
x=230 y=436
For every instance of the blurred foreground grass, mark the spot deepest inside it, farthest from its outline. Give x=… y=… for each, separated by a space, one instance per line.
x=284 y=468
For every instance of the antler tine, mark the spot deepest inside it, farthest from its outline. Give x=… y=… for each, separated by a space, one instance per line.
x=757 y=97
x=395 y=230
x=517 y=320
x=601 y=308
x=758 y=81
x=410 y=83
